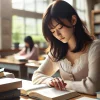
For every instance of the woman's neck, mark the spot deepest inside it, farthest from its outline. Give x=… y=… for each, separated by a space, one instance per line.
x=72 y=43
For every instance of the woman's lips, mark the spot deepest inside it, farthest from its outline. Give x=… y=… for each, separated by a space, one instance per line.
x=62 y=38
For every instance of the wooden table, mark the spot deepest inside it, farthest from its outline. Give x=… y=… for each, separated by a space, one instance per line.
x=81 y=95
x=31 y=67
x=19 y=66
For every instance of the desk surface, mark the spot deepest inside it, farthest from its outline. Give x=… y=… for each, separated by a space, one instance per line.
x=34 y=64
x=4 y=60
x=82 y=95
x=22 y=69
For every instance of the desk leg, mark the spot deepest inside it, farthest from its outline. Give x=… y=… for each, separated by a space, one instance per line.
x=23 y=72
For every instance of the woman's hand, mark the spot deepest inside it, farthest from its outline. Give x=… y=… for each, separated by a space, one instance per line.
x=58 y=83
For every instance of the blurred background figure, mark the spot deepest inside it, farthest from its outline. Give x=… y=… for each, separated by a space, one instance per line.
x=30 y=51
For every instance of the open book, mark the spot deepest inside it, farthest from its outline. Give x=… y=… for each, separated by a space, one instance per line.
x=44 y=92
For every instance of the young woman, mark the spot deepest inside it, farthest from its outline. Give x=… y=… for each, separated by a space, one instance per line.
x=30 y=51
x=72 y=51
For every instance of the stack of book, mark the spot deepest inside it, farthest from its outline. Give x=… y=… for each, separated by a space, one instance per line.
x=9 y=88
x=6 y=74
x=1 y=72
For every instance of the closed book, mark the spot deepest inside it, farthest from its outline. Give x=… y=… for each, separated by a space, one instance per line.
x=1 y=74
x=9 y=94
x=7 y=84
x=44 y=92
x=6 y=74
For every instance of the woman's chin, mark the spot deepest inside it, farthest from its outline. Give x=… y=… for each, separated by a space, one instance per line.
x=64 y=41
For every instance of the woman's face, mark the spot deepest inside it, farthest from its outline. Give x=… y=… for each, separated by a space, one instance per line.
x=62 y=33
x=26 y=44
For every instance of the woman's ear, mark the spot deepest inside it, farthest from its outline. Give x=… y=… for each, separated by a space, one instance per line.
x=74 y=20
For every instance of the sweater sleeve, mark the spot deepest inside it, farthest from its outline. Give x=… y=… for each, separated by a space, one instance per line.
x=22 y=52
x=91 y=83
x=45 y=71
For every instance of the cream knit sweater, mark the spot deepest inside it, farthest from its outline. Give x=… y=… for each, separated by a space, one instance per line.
x=83 y=76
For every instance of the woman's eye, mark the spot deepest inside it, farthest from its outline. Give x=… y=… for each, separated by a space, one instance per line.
x=60 y=26
x=53 y=31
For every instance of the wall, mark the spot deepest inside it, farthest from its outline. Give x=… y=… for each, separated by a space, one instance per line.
x=5 y=24
x=98 y=1
x=0 y=35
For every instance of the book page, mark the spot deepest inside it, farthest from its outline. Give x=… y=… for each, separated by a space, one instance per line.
x=28 y=86
x=50 y=92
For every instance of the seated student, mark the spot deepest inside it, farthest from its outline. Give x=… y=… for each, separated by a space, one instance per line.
x=30 y=51
x=72 y=51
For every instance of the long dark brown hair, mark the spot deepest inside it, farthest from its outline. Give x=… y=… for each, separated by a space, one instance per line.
x=62 y=10
x=30 y=41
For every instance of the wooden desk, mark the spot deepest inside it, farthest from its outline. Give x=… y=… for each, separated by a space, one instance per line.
x=81 y=95
x=31 y=67
x=19 y=66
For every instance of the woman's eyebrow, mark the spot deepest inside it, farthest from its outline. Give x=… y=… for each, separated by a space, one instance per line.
x=55 y=26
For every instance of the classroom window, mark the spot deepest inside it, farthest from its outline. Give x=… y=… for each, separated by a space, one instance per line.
x=18 y=4
x=28 y=24
x=18 y=24
x=69 y=1
x=38 y=6
x=29 y=5
x=18 y=29
x=39 y=26
x=81 y=9
x=41 y=5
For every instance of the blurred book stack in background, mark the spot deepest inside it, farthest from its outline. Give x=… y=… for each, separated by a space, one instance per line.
x=9 y=88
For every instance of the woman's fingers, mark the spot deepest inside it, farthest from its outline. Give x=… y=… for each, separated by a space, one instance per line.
x=61 y=82
x=58 y=83
x=51 y=83
x=55 y=82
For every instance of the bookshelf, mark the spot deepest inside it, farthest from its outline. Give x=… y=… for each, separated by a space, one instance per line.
x=95 y=23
